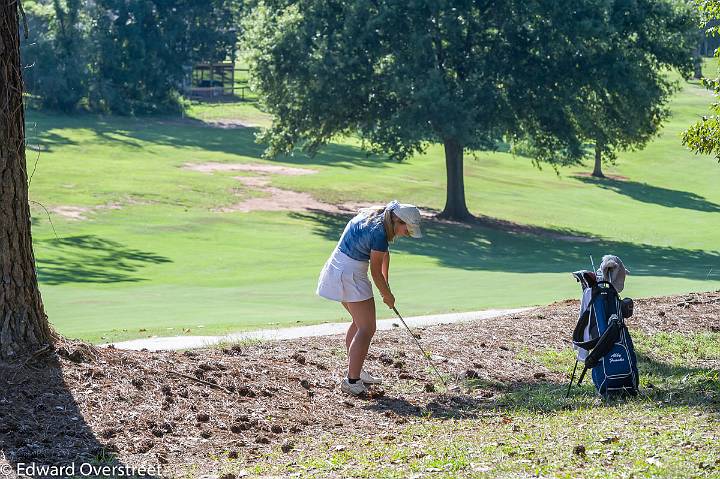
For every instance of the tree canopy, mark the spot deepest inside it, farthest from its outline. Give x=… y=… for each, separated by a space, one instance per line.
x=122 y=56
x=465 y=74
x=625 y=102
x=704 y=136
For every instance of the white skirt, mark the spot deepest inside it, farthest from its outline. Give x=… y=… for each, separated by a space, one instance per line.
x=344 y=279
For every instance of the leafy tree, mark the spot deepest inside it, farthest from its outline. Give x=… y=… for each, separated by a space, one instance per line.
x=624 y=102
x=134 y=65
x=24 y=326
x=462 y=73
x=401 y=75
x=123 y=56
x=58 y=68
x=205 y=30
x=141 y=47
x=704 y=136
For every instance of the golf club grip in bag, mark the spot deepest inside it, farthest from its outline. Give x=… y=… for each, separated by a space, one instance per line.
x=601 y=331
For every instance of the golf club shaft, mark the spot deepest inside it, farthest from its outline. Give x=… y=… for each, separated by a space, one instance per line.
x=425 y=355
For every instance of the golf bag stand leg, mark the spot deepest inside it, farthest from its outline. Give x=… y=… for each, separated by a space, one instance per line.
x=572 y=377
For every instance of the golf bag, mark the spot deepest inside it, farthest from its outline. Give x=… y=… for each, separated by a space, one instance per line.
x=602 y=340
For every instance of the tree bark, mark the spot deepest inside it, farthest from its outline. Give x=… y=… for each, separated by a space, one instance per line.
x=455 y=207
x=23 y=323
x=597 y=171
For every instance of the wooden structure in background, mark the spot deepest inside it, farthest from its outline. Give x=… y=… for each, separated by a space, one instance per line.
x=216 y=80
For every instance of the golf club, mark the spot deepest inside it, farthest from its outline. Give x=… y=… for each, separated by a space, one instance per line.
x=426 y=355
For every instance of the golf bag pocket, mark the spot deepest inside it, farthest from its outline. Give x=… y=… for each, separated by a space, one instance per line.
x=616 y=372
x=626 y=307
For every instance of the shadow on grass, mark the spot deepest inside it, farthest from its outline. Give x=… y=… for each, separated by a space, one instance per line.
x=662 y=385
x=42 y=425
x=38 y=138
x=521 y=249
x=646 y=193
x=90 y=259
x=139 y=133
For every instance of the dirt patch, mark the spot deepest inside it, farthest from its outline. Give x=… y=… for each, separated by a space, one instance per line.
x=277 y=199
x=79 y=213
x=113 y=205
x=201 y=407
x=273 y=198
x=251 y=121
x=253 y=181
x=70 y=212
x=228 y=123
x=255 y=168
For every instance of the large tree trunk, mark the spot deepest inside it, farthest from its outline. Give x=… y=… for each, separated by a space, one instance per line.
x=455 y=207
x=597 y=171
x=23 y=322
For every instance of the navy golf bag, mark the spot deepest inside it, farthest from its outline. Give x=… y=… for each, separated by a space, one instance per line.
x=602 y=340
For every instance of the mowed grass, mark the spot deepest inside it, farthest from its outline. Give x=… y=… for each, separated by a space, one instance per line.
x=153 y=257
x=670 y=430
x=642 y=439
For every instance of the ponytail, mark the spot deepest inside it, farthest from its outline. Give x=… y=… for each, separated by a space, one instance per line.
x=388 y=223
x=387 y=218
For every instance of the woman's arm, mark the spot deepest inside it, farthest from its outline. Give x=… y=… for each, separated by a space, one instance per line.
x=377 y=261
x=386 y=267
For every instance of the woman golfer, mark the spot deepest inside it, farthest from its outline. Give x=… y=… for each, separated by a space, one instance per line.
x=344 y=278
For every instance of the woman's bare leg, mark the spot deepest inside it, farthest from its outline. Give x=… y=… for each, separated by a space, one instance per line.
x=351 y=330
x=363 y=314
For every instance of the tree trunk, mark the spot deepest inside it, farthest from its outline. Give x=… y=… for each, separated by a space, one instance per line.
x=697 y=64
x=455 y=207
x=23 y=322
x=597 y=172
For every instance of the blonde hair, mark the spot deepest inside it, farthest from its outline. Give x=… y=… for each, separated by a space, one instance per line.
x=374 y=212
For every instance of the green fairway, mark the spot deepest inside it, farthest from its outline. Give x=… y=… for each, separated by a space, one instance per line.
x=152 y=254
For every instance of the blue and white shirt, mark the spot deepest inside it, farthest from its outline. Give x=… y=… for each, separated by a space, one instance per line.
x=363 y=235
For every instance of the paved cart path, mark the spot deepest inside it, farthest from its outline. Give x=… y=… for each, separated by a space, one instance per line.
x=325 y=329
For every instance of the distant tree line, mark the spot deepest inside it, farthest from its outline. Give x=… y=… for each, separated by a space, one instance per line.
x=121 y=56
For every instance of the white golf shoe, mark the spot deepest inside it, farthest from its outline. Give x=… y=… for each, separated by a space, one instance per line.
x=355 y=389
x=367 y=378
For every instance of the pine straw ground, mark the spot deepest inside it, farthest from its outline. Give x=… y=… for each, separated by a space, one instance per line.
x=188 y=411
